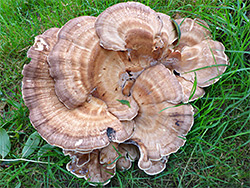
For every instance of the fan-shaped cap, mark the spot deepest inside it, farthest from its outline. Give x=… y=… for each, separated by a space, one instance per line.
x=108 y=72
x=169 y=35
x=79 y=158
x=157 y=166
x=92 y=171
x=109 y=155
x=206 y=60
x=129 y=153
x=168 y=32
x=70 y=60
x=193 y=31
x=43 y=45
x=155 y=85
x=129 y=25
x=85 y=128
x=189 y=89
x=159 y=133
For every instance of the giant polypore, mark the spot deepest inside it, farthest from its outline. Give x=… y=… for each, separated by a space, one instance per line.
x=113 y=89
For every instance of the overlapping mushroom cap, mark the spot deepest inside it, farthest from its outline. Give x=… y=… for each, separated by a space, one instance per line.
x=86 y=127
x=110 y=90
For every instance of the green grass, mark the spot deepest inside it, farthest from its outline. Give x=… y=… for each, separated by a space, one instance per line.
x=217 y=151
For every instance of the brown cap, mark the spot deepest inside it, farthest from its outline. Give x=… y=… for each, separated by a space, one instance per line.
x=80 y=66
x=70 y=60
x=107 y=79
x=79 y=158
x=109 y=155
x=155 y=85
x=159 y=133
x=193 y=31
x=88 y=127
x=206 y=60
x=94 y=172
x=189 y=89
x=129 y=153
x=129 y=25
x=43 y=45
x=168 y=32
x=157 y=166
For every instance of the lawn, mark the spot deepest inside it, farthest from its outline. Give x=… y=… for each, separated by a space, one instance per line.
x=216 y=153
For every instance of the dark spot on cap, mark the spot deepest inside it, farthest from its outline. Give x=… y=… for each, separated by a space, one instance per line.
x=129 y=73
x=111 y=133
x=176 y=73
x=178 y=122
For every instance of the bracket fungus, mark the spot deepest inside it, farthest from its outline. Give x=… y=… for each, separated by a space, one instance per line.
x=113 y=89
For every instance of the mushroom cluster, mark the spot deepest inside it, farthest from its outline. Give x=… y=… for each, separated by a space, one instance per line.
x=114 y=89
